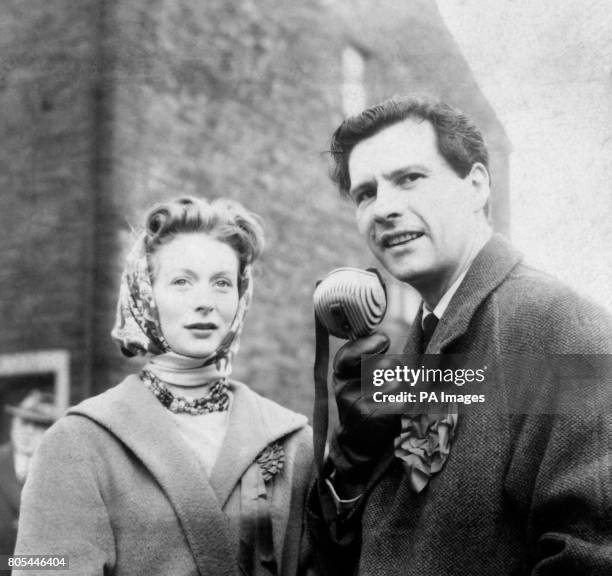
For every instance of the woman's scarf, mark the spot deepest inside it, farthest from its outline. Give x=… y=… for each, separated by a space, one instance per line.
x=137 y=329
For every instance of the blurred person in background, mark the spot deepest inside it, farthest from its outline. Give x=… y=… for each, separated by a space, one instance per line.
x=178 y=469
x=30 y=420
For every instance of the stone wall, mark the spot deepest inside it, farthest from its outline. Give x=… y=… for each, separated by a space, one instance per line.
x=149 y=99
x=48 y=80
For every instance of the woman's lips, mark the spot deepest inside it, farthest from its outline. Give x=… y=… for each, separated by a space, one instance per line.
x=201 y=329
x=201 y=326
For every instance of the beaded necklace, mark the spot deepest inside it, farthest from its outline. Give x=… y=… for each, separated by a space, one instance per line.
x=217 y=399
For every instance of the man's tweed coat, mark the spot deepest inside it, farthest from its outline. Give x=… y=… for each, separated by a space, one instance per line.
x=116 y=488
x=520 y=493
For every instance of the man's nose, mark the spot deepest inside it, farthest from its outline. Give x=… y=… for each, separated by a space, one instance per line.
x=387 y=204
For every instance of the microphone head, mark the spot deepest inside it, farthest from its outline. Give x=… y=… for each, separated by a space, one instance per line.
x=350 y=302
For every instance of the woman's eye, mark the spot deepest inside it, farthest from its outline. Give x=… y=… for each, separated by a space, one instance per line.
x=223 y=283
x=179 y=282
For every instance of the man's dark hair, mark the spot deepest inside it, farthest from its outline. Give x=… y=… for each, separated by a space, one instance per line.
x=459 y=140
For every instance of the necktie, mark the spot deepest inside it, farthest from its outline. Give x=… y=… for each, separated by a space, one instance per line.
x=429 y=325
x=425 y=440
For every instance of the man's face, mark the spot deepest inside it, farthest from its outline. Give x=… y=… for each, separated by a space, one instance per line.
x=417 y=215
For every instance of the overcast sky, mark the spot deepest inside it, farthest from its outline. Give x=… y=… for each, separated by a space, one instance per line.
x=546 y=68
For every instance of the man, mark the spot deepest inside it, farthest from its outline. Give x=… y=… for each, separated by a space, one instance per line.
x=521 y=490
x=31 y=418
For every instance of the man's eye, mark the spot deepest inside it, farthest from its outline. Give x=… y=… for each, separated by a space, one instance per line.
x=409 y=178
x=363 y=195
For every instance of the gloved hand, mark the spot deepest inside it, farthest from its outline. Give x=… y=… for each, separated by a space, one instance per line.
x=366 y=429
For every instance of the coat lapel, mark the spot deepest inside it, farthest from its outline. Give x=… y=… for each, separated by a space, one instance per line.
x=415 y=335
x=254 y=423
x=489 y=269
x=132 y=414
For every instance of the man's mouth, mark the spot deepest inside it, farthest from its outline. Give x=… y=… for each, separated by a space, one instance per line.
x=391 y=240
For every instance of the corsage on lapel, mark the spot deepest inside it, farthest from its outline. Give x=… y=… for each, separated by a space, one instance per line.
x=424 y=445
x=271 y=461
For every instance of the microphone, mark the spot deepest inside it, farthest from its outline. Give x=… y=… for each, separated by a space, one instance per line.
x=350 y=302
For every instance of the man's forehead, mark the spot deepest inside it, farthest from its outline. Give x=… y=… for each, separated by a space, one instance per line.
x=410 y=141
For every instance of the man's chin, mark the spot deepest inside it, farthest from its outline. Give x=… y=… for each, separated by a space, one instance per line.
x=407 y=270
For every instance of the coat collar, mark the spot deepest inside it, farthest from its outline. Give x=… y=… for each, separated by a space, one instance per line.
x=254 y=423
x=134 y=416
x=490 y=268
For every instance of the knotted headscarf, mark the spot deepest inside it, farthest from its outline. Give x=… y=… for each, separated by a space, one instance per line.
x=137 y=329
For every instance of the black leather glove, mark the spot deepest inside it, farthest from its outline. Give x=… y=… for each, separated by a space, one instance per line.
x=367 y=429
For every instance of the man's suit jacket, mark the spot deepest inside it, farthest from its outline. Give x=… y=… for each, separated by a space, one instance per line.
x=526 y=493
x=10 y=494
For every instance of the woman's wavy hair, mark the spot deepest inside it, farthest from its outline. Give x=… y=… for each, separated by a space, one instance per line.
x=459 y=140
x=225 y=220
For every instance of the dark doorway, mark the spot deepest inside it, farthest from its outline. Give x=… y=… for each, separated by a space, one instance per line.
x=13 y=390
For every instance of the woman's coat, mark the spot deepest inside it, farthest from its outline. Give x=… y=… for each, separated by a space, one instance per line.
x=116 y=489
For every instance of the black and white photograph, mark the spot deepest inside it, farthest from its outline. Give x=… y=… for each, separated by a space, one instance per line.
x=317 y=288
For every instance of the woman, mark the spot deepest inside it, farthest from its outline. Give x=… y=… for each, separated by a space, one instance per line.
x=176 y=470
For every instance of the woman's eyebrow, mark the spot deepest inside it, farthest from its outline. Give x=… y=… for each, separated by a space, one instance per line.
x=171 y=270
x=182 y=270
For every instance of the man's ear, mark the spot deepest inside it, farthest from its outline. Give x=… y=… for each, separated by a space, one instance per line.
x=481 y=185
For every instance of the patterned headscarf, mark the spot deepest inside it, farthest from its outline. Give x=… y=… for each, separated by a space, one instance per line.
x=137 y=329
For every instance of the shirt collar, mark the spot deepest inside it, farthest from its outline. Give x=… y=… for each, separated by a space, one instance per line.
x=445 y=300
x=442 y=305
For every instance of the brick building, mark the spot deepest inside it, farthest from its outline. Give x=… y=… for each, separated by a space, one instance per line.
x=108 y=106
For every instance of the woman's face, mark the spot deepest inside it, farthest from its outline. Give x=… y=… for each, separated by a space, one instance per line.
x=196 y=292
